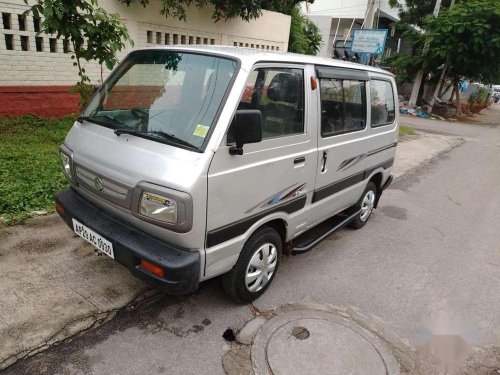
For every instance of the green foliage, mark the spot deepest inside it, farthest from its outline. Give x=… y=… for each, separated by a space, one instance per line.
x=223 y=9
x=468 y=37
x=30 y=170
x=414 y=12
x=304 y=35
x=405 y=66
x=93 y=33
x=478 y=96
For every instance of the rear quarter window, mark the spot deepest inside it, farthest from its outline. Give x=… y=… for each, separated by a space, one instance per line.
x=383 y=109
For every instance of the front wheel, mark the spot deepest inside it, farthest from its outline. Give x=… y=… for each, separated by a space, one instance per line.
x=366 y=204
x=256 y=266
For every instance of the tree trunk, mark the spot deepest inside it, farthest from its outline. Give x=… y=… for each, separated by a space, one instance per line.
x=442 y=81
x=457 y=100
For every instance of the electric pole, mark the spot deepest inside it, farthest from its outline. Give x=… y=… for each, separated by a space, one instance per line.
x=420 y=73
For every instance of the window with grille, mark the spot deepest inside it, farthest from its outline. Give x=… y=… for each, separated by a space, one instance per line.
x=25 y=43
x=39 y=43
x=9 y=42
x=22 y=22
x=66 y=46
x=53 y=45
x=36 y=24
x=6 y=19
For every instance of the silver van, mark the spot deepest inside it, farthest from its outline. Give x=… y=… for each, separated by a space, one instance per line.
x=194 y=162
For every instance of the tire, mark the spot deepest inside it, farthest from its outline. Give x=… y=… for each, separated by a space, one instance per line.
x=264 y=241
x=366 y=203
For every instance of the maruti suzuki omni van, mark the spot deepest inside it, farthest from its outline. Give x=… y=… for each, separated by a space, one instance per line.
x=194 y=162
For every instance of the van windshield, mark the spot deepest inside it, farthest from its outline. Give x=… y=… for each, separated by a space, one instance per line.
x=167 y=96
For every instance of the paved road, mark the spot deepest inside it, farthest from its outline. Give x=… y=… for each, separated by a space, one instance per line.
x=432 y=247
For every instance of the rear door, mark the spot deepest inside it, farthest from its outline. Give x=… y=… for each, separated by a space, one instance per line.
x=343 y=140
x=273 y=175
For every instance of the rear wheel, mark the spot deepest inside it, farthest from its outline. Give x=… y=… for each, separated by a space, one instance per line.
x=256 y=266
x=366 y=204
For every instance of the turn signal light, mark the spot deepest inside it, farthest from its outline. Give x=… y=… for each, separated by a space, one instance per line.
x=155 y=270
x=314 y=83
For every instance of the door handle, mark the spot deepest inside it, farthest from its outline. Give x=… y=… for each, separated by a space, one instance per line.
x=323 y=161
x=299 y=160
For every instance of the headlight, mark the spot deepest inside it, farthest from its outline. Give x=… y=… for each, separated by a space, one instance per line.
x=158 y=207
x=66 y=165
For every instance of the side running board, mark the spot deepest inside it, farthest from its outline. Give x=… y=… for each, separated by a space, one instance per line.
x=307 y=240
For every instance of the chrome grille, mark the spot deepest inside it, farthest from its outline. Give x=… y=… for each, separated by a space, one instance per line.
x=106 y=187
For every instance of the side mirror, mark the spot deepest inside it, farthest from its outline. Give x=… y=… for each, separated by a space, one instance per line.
x=245 y=128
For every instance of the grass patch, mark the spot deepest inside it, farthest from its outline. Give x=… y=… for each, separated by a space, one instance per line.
x=30 y=171
x=405 y=130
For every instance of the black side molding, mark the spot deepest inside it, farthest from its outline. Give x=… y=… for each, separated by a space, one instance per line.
x=334 y=188
x=225 y=233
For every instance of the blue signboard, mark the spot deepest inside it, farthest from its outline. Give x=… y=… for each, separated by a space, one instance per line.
x=369 y=41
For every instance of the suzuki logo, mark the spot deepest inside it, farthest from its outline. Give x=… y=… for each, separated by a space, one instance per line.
x=98 y=183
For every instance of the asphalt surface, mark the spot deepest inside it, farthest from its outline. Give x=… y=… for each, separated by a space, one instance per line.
x=431 y=250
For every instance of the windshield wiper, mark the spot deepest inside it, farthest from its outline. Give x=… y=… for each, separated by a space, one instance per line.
x=170 y=137
x=95 y=119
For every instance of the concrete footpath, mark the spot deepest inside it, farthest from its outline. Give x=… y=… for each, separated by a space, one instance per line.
x=53 y=285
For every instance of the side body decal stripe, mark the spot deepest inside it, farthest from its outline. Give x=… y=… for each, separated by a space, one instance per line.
x=225 y=233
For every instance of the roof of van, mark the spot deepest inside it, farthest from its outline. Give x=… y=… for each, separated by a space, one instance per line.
x=254 y=54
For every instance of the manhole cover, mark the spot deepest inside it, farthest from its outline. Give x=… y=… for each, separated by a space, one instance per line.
x=319 y=342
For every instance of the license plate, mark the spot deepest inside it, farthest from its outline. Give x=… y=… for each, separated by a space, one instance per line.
x=95 y=239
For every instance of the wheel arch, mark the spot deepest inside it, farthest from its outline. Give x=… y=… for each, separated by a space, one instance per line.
x=280 y=226
x=377 y=179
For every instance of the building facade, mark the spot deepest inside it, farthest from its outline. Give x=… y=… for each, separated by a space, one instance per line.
x=36 y=70
x=337 y=19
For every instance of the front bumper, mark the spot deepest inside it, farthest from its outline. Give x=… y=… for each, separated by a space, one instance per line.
x=182 y=267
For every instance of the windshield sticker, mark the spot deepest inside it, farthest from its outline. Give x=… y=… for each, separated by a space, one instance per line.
x=201 y=130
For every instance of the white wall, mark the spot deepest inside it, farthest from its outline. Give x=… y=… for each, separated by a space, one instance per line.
x=328 y=26
x=346 y=8
x=18 y=67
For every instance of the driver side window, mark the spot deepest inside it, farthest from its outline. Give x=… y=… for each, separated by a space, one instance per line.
x=279 y=94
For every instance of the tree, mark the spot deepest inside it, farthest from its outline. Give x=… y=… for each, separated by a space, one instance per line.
x=463 y=40
x=468 y=38
x=93 y=33
x=304 y=35
x=223 y=9
x=414 y=12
